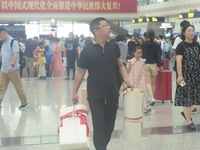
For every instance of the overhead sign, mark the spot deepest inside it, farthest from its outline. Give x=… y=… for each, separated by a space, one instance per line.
x=75 y=6
x=166 y=25
x=189 y=15
x=33 y=22
x=148 y=19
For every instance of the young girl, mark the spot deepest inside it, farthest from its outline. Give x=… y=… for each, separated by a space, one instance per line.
x=136 y=75
x=41 y=65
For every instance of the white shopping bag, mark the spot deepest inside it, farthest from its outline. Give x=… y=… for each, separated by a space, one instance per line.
x=69 y=109
x=73 y=135
x=73 y=130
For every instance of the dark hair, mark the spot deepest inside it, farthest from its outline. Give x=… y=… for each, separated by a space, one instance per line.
x=184 y=29
x=145 y=34
x=161 y=36
x=137 y=47
x=128 y=36
x=36 y=38
x=2 y=29
x=46 y=48
x=151 y=34
x=184 y=23
x=95 y=23
x=41 y=44
x=120 y=38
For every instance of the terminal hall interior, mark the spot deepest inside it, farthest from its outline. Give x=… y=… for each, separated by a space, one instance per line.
x=36 y=125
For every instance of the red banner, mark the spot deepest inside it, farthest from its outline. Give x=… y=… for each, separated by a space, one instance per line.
x=72 y=6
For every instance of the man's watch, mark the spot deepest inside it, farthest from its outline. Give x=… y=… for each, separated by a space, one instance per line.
x=12 y=65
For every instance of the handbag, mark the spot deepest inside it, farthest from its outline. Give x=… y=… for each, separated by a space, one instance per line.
x=73 y=130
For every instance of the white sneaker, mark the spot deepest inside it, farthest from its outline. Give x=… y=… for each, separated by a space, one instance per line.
x=147 y=109
x=23 y=106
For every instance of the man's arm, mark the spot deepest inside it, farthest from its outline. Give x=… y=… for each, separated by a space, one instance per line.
x=129 y=66
x=15 y=58
x=123 y=72
x=15 y=49
x=80 y=73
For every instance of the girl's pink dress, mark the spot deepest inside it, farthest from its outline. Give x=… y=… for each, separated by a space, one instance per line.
x=136 y=74
x=56 y=65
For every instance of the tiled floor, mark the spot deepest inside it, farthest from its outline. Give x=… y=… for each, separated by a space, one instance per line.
x=35 y=128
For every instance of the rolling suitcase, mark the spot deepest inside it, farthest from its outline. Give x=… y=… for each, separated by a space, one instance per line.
x=166 y=64
x=163 y=89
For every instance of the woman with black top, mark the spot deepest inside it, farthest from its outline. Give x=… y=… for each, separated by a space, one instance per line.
x=188 y=74
x=150 y=50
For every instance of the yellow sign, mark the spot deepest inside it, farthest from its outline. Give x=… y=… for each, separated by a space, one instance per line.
x=140 y=20
x=154 y=19
x=147 y=19
x=180 y=16
x=133 y=20
x=190 y=15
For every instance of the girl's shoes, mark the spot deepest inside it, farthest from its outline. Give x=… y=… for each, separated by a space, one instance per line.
x=191 y=127
x=147 y=109
x=194 y=110
x=152 y=103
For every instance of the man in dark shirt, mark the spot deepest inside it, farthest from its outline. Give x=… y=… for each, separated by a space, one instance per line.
x=71 y=46
x=30 y=45
x=102 y=60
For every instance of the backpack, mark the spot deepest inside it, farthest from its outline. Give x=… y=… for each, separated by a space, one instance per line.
x=21 y=58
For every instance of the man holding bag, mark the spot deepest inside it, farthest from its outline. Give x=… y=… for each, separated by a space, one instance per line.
x=102 y=60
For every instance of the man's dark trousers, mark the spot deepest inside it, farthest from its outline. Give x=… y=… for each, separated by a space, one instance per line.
x=103 y=118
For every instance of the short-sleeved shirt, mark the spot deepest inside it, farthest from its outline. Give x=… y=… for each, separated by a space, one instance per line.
x=123 y=50
x=150 y=52
x=8 y=54
x=179 y=40
x=48 y=56
x=176 y=42
x=101 y=63
x=71 y=47
x=182 y=46
x=30 y=46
